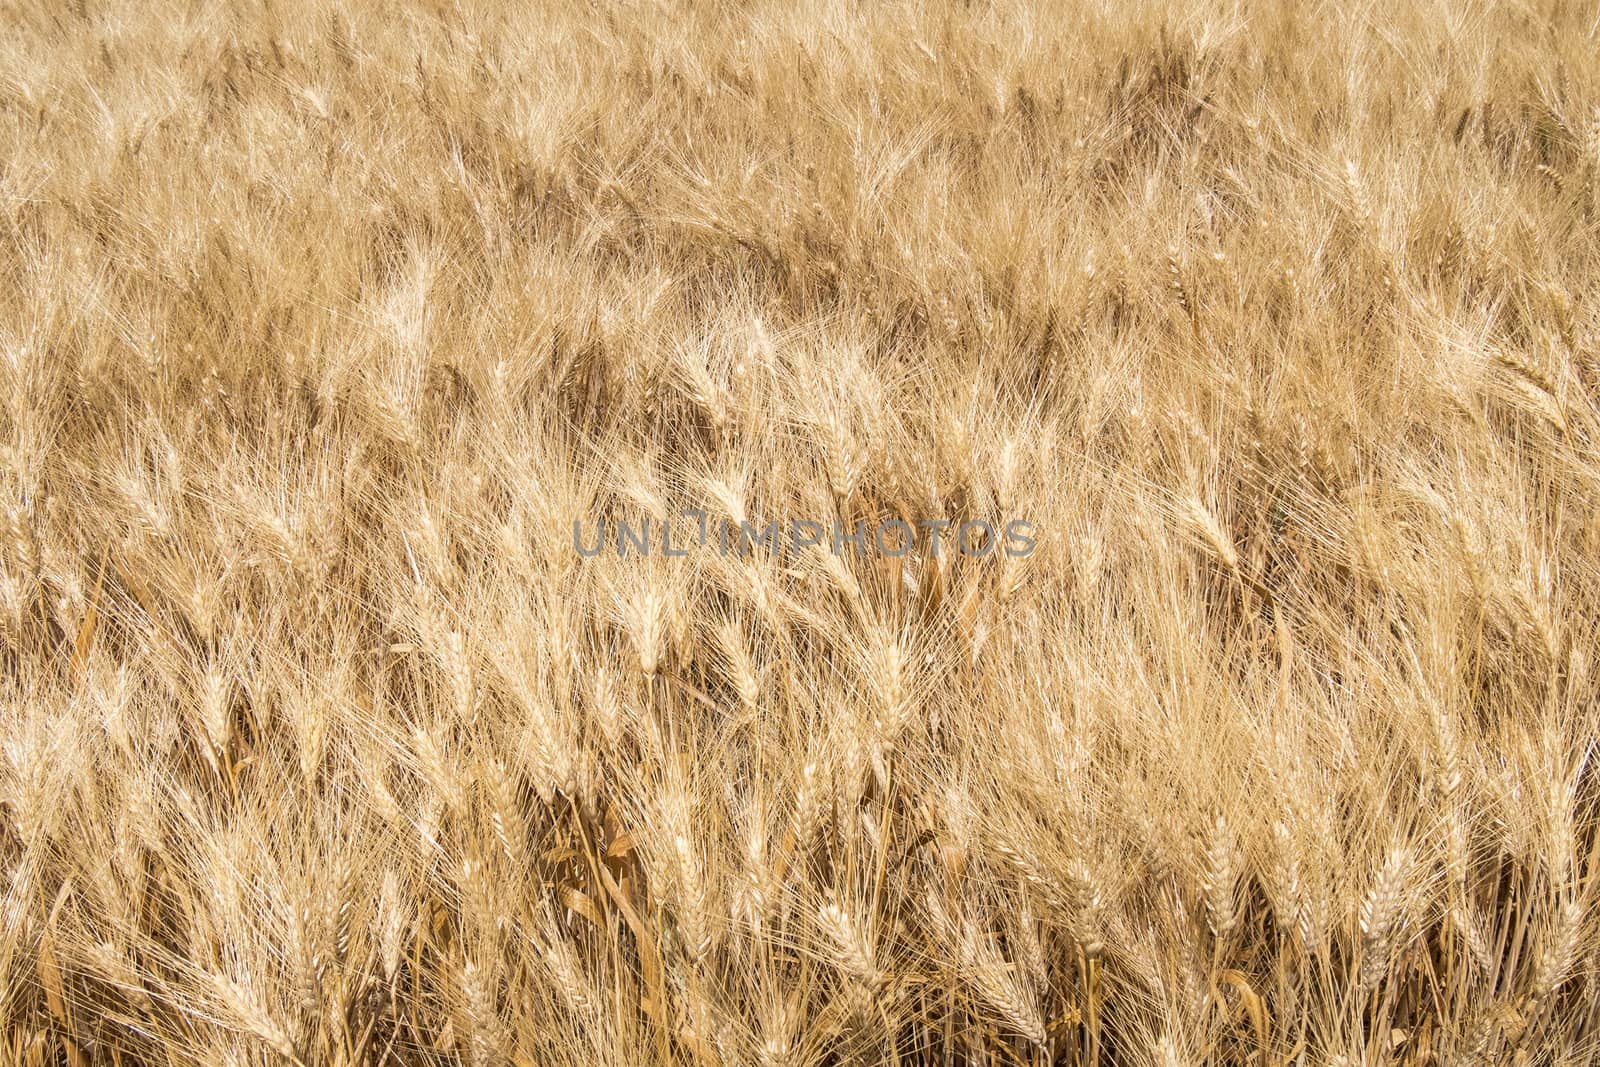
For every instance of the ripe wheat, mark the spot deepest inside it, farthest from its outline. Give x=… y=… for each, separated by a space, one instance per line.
x=324 y=327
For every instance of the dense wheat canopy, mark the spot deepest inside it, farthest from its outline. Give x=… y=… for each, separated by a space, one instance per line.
x=1277 y=325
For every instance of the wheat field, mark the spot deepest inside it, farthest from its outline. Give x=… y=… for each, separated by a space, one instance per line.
x=379 y=387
